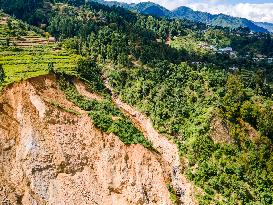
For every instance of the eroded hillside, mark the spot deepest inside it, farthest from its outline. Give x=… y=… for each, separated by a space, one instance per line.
x=51 y=153
x=185 y=104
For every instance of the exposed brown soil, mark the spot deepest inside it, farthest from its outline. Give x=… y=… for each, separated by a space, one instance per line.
x=51 y=156
x=250 y=131
x=219 y=131
x=81 y=87
x=167 y=149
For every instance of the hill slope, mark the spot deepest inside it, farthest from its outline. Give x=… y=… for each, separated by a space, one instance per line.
x=52 y=153
x=26 y=52
x=173 y=79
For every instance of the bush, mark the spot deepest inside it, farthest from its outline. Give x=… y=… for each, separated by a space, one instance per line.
x=101 y=120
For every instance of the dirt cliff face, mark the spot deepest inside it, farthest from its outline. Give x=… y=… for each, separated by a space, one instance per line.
x=51 y=153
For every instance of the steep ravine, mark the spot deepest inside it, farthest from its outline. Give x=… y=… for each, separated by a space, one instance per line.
x=167 y=149
x=51 y=153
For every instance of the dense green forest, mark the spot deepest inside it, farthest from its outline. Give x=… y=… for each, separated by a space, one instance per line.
x=215 y=106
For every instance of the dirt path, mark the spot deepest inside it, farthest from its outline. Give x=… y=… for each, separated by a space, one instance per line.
x=80 y=86
x=167 y=149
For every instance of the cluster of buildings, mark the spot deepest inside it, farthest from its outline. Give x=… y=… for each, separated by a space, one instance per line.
x=225 y=50
x=263 y=58
x=234 y=54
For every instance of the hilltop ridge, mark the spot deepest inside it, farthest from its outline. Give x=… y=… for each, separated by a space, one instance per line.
x=184 y=12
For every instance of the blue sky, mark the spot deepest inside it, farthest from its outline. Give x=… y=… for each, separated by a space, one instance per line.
x=256 y=10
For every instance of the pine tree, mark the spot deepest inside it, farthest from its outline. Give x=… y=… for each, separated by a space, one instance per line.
x=51 y=67
x=2 y=74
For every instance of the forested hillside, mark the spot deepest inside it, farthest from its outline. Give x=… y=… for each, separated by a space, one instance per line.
x=207 y=89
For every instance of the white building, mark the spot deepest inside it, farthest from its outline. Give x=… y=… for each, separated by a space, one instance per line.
x=226 y=50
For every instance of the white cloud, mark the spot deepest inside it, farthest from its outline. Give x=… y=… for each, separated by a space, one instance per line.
x=257 y=12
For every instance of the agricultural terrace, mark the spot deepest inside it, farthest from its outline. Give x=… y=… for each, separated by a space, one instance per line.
x=25 y=51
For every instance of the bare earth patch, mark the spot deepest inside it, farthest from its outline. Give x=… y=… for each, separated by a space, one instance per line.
x=81 y=88
x=62 y=158
x=167 y=149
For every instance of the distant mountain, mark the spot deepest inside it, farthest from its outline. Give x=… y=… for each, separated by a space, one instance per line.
x=148 y=8
x=152 y=9
x=188 y=13
x=267 y=26
x=115 y=3
x=183 y=12
x=216 y=20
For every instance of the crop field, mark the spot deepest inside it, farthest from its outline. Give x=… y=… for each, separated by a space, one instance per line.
x=29 y=55
x=20 y=64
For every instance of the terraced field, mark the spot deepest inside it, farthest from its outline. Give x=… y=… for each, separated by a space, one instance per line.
x=25 y=41
x=29 y=55
x=31 y=62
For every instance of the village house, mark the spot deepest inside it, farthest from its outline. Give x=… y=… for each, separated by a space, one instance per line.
x=225 y=50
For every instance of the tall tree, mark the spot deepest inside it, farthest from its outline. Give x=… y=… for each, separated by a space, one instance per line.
x=2 y=74
x=20 y=8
